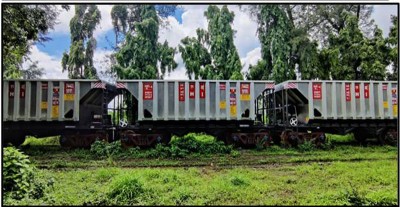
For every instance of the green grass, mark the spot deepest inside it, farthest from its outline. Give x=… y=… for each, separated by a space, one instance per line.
x=335 y=138
x=46 y=141
x=344 y=175
x=334 y=183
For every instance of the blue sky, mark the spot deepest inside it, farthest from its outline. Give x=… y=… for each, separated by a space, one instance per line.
x=183 y=23
x=60 y=42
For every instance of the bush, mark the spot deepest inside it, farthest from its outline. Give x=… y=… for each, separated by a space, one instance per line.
x=236 y=181
x=197 y=143
x=126 y=190
x=104 y=149
x=18 y=176
x=306 y=146
x=191 y=143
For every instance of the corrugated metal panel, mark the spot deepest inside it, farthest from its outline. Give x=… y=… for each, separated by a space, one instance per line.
x=210 y=100
x=348 y=99
x=166 y=102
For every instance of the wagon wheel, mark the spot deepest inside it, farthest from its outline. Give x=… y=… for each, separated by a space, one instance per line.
x=388 y=137
x=123 y=123
x=293 y=121
x=264 y=140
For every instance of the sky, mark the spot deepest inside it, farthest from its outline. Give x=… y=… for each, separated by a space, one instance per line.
x=183 y=23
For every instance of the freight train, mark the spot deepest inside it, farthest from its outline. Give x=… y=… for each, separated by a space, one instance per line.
x=145 y=112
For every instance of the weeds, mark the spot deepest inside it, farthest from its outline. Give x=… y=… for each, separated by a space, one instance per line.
x=125 y=190
x=306 y=146
x=179 y=147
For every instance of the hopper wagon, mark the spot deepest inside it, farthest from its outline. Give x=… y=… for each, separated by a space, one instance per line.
x=137 y=112
x=305 y=110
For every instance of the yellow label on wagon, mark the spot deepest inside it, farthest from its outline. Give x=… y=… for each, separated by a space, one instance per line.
x=222 y=104
x=394 y=110
x=233 y=110
x=69 y=97
x=54 y=112
x=43 y=105
x=385 y=105
x=245 y=97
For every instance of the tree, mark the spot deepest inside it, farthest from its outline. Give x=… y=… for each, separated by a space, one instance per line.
x=393 y=42
x=24 y=25
x=274 y=32
x=79 y=61
x=225 y=58
x=373 y=54
x=140 y=53
x=324 y=19
x=351 y=56
x=258 y=71
x=212 y=54
x=195 y=55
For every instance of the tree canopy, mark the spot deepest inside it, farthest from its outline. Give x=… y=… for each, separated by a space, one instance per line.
x=140 y=53
x=79 y=61
x=24 y=25
x=212 y=54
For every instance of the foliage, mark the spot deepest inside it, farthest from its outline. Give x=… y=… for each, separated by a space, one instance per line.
x=311 y=183
x=32 y=141
x=350 y=56
x=321 y=20
x=197 y=143
x=212 y=54
x=393 y=41
x=125 y=190
x=79 y=61
x=140 y=53
x=351 y=48
x=306 y=146
x=19 y=178
x=103 y=149
x=194 y=52
x=274 y=32
x=191 y=143
x=225 y=58
x=24 y=25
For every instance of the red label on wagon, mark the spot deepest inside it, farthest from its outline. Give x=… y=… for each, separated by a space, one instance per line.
x=357 y=90
x=394 y=96
x=347 y=90
x=232 y=96
x=181 y=91
x=22 y=91
x=69 y=88
x=192 y=90
x=222 y=86
x=384 y=87
x=202 y=90
x=11 y=89
x=44 y=86
x=56 y=90
x=317 y=94
x=147 y=91
x=366 y=90
x=245 y=88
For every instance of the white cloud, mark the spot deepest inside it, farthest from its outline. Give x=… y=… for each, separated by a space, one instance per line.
x=50 y=64
x=381 y=14
x=63 y=20
x=180 y=72
x=251 y=58
x=65 y=17
x=245 y=39
x=105 y=22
